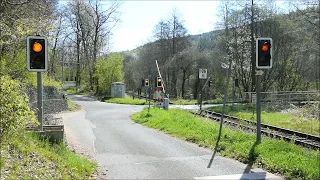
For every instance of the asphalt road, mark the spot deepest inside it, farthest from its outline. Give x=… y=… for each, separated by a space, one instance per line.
x=130 y=151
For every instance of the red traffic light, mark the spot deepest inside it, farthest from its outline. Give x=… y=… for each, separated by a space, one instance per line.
x=265 y=47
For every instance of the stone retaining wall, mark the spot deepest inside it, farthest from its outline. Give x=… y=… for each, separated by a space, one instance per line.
x=53 y=102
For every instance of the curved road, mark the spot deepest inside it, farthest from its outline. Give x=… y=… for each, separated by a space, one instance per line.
x=130 y=151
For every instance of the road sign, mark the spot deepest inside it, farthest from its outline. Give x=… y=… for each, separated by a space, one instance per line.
x=203 y=73
x=158 y=94
x=254 y=99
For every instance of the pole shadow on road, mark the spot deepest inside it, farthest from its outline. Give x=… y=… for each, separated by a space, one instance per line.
x=252 y=158
x=214 y=153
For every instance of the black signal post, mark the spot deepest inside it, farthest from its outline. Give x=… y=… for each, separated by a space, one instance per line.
x=263 y=61
x=37 y=61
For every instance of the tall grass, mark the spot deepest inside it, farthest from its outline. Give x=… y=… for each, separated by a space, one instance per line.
x=27 y=156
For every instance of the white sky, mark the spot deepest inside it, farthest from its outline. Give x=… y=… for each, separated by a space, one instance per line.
x=138 y=19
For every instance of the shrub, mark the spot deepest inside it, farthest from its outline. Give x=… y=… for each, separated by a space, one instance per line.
x=14 y=110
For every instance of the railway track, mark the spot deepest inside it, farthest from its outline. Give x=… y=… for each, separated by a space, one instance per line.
x=299 y=138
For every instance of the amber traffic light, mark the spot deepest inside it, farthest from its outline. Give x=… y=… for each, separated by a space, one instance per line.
x=37 y=54
x=146 y=82
x=37 y=47
x=159 y=82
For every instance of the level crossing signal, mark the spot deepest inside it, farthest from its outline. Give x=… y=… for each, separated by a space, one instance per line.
x=146 y=82
x=264 y=53
x=37 y=54
x=159 y=82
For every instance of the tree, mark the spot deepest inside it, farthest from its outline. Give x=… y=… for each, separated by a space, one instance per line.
x=108 y=70
x=18 y=20
x=90 y=29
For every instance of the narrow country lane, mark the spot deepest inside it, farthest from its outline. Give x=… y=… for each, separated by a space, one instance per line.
x=130 y=151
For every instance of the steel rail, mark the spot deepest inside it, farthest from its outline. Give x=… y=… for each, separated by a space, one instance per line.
x=296 y=137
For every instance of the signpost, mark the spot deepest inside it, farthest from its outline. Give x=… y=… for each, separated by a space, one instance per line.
x=254 y=99
x=203 y=73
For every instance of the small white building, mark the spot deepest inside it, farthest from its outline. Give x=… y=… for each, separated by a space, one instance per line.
x=118 y=90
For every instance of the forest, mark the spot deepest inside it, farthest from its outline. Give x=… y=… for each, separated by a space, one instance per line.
x=79 y=34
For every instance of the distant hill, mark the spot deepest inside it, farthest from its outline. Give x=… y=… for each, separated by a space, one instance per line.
x=207 y=40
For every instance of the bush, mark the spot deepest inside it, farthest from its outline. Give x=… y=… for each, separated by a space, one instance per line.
x=14 y=110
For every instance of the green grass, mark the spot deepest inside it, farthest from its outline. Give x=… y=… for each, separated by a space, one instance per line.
x=27 y=156
x=46 y=80
x=284 y=120
x=193 y=102
x=73 y=106
x=72 y=90
x=214 y=101
x=273 y=155
x=128 y=100
x=184 y=102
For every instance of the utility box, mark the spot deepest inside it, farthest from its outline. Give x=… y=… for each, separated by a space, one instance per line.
x=166 y=104
x=118 y=90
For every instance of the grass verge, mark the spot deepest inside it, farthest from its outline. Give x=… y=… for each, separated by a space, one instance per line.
x=128 y=100
x=284 y=120
x=273 y=155
x=73 y=106
x=72 y=90
x=26 y=156
x=184 y=102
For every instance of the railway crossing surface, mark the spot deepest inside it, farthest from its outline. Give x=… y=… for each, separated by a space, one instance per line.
x=126 y=150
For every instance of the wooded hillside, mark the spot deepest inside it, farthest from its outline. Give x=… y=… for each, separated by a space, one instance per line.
x=295 y=45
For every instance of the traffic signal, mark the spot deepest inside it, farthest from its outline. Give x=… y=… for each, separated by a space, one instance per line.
x=236 y=82
x=146 y=82
x=264 y=53
x=159 y=82
x=37 y=54
x=210 y=83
